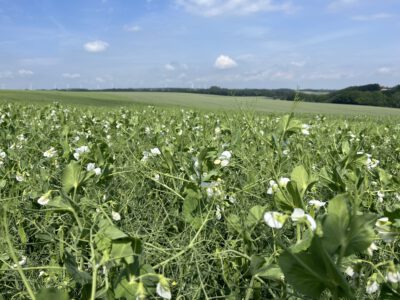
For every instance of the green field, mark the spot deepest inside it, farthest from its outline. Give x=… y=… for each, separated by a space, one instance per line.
x=197 y=101
x=144 y=202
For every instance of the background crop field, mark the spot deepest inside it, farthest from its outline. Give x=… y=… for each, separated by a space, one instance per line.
x=204 y=102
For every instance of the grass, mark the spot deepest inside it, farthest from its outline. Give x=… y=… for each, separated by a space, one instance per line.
x=197 y=101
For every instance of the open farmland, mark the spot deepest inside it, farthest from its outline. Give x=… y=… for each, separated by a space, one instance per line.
x=139 y=202
x=184 y=100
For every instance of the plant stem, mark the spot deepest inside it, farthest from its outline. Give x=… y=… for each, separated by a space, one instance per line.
x=15 y=259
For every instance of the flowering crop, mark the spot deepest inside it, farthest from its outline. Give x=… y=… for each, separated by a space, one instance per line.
x=141 y=202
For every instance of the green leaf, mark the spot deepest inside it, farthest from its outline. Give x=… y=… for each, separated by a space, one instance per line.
x=254 y=216
x=295 y=194
x=344 y=232
x=126 y=249
x=300 y=175
x=51 y=293
x=261 y=268
x=73 y=270
x=72 y=176
x=190 y=204
x=311 y=272
x=235 y=224
x=60 y=203
x=126 y=289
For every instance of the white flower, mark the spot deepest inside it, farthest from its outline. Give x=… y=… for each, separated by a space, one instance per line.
x=316 y=203
x=372 y=287
x=44 y=199
x=299 y=215
x=50 y=153
x=273 y=187
x=115 y=216
x=97 y=171
x=305 y=129
x=21 y=262
x=90 y=167
x=283 y=181
x=380 y=196
x=285 y=152
x=274 y=219
x=218 y=214
x=3 y=155
x=19 y=178
x=392 y=277
x=76 y=155
x=82 y=149
x=155 y=151
x=349 y=271
x=163 y=291
x=224 y=158
x=146 y=156
x=372 y=248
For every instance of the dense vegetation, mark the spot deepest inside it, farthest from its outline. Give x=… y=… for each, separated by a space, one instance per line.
x=370 y=94
x=144 y=202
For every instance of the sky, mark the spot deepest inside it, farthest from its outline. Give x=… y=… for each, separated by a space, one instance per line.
x=326 y=44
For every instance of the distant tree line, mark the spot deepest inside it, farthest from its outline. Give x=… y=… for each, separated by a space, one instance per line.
x=370 y=94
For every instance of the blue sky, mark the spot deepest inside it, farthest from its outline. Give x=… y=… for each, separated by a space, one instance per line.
x=199 y=43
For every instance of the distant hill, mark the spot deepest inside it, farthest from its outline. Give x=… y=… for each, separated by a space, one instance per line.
x=369 y=94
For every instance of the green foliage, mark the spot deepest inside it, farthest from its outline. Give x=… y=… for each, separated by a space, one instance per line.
x=178 y=204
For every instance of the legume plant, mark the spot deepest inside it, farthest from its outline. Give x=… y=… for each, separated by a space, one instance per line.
x=150 y=203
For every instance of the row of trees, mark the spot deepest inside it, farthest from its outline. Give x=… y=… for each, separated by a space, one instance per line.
x=370 y=94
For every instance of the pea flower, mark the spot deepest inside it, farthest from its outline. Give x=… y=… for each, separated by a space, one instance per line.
x=162 y=288
x=299 y=215
x=372 y=286
x=372 y=248
x=44 y=199
x=283 y=181
x=223 y=159
x=115 y=216
x=92 y=167
x=274 y=219
x=155 y=151
x=392 y=276
x=50 y=153
x=273 y=187
x=305 y=129
x=316 y=203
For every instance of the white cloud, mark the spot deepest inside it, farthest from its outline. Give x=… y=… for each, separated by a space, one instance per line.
x=24 y=72
x=96 y=46
x=132 y=28
x=372 y=17
x=169 y=67
x=212 y=8
x=71 y=76
x=298 y=64
x=224 y=62
x=104 y=78
x=384 y=70
x=341 y=3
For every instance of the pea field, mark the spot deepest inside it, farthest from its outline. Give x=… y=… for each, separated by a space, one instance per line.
x=148 y=202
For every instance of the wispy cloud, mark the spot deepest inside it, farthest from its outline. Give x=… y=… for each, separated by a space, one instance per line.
x=212 y=8
x=372 y=17
x=337 y=4
x=24 y=72
x=132 y=28
x=71 y=75
x=39 y=61
x=224 y=62
x=96 y=46
x=384 y=70
x=169 y=67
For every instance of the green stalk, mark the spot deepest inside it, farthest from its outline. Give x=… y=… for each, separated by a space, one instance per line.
x=15 y=259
